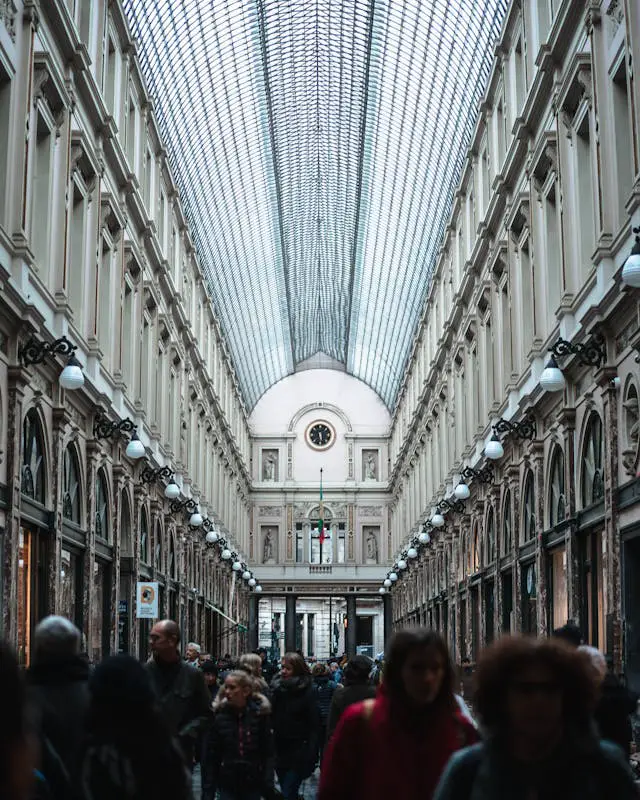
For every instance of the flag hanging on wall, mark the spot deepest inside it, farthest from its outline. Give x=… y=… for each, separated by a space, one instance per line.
x=321 y=535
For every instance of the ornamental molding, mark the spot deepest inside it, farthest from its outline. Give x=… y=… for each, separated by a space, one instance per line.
x=320 y=406
x=269 y=511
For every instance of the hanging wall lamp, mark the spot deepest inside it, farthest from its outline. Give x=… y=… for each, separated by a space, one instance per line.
x=590 y=353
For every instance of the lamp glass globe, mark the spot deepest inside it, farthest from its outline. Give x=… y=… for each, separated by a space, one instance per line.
x=246 y=575
x=252 y=582
x=172 y=491
x=195 y=520
x=424 y=538
x=462 y=491
x=412 y=552
x=382 y=590
x=211 y=537
x=258 y=588
x=387 y=582
x=437 y=520
x=552 y=378
x=393 y=577
x=72 y=377
x=226 y=554
x=631 y=270
x=494 y=449
x=402 y=564
x=135 y=448
x=237 y=566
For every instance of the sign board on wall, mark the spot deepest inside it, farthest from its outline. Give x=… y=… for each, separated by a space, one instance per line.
x=147 y=600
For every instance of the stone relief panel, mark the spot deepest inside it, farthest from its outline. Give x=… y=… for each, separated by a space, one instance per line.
x=370 y=511
x=370 y=465
x=269 y=511
x=371 y=544
x=269 y=539
x=270 y=466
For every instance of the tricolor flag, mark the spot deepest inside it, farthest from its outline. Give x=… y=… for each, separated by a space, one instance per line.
x=321 y=535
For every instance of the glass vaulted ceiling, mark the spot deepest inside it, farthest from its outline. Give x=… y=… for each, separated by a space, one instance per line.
x=317 y=145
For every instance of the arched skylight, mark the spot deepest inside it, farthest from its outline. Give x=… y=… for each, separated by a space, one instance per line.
x=317 y=145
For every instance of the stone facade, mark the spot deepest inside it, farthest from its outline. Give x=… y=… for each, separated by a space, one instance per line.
x=540 y=228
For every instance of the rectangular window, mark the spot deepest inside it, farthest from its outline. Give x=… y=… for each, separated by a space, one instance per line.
x=131 y=135
x=553 y=255
x=76 y=257
x=5 y=117
x=110 y=77
x=144 y=361
x=622 y=139
x=128 y=335
x=299 y=543
x=526 y=298
x=584 y=187
x=41 y=195
x=104 y=309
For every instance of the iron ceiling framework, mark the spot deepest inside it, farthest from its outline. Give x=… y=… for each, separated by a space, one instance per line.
x=317 y=146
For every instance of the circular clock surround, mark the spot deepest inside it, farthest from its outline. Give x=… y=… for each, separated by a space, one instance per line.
x=320 y=434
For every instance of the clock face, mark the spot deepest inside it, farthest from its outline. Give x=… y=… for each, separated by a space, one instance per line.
x=320 y=435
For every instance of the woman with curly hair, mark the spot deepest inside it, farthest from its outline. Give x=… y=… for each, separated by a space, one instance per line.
x=535 y=699
x=398 y=744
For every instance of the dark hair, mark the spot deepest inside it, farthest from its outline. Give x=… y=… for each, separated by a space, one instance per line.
x=209 y=667
x=297 y=663
x=569 y=633
x=13 y=704
x=400 y=648
x=357 y=671
x=506 y=658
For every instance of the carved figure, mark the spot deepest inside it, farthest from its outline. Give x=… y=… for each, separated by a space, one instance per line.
x=372 y=547
x=370 y=467
x=267 y=548
x=269 y=467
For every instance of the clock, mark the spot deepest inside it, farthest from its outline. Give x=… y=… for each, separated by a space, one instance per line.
x=320 y=435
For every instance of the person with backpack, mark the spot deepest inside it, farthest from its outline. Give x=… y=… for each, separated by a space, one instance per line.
x=535 y=699
x=398 y=744
x=324 y=688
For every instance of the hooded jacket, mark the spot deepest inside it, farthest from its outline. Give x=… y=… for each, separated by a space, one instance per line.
x=324 y=688
x=296 y=723
x=239 y=748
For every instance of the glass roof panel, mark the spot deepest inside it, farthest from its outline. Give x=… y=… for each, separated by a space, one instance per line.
x=317 y=145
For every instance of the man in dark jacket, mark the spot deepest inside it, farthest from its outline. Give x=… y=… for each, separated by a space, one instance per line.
x=324 y=687
x=182 y=694
x=59 y=698
x=357 y=687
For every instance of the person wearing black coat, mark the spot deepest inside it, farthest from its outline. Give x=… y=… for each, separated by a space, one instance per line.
x=239 y=753
x=296 y=724
x=324 y=687
x=355 y=689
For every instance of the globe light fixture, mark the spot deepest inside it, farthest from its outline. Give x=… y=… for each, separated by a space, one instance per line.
x=402 y=564
x=393 y=577
x=72 y=377
x=462 y=491
x=172 y=491
x=246 y=575
x=387 y=582
x=437 y=520
x=382 y=590
x=252 y=582
x=631 y=269
x=494 y=449
x=211 y=537
x=258 y=588
x=195 y=520
x=424 y=538
x=237 y=566
x=552 y=378
x=412 y=552
x=135 y=448
x=226 y=554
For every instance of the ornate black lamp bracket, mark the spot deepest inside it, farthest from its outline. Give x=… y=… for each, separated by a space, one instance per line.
x=591 y=353
x=151 y=475
x=103 y=428
x=188 y=505
x=484 y=474
x=451 y=505
x=523 y=430
x=35 y=352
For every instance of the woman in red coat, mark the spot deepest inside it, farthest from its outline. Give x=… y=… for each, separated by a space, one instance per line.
x=398 y=744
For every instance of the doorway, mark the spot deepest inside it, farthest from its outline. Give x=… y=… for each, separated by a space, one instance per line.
x=364 y=635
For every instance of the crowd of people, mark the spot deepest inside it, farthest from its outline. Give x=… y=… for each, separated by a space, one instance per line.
x=542 y=719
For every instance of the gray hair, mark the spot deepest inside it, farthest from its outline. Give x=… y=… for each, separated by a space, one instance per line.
x=194 y=646
x=55 y=639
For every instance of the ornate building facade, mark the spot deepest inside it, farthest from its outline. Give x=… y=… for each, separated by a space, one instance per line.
x=530 y=263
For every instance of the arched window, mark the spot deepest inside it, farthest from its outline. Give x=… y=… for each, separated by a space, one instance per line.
x=33 y=476
x=172 y=566
x=592 y=462
x=507 y=532
x=475 y=565
x=556 y=488
x=528 y=509
x=491 y=537
x=71 y=487
x=158 y=548
x=103 y=526
x=144 y=537
x=126 y=548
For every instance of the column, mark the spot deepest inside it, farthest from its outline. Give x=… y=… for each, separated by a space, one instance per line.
x=290 y=623
x=350 y=643
x=253 y=622
x=387 y=612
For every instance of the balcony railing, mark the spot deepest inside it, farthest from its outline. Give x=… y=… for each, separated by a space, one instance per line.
x=324 y=569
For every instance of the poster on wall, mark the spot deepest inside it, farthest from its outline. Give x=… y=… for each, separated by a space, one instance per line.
x=147 y=600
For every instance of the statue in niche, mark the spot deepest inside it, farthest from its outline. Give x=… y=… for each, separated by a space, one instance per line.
x=371 y=547
x=269 y=466
x=370 y=466
x=267 y=548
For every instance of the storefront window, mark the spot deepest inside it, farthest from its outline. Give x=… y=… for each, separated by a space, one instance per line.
x=97 y=613
x=33 y=477
x=559 y=588
x=71 y=489
x=592 y=463
x=507 y=540
x=102 y=509
x=68 y=585
x=528 y=509
x=24 y=595
x=556 y=488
